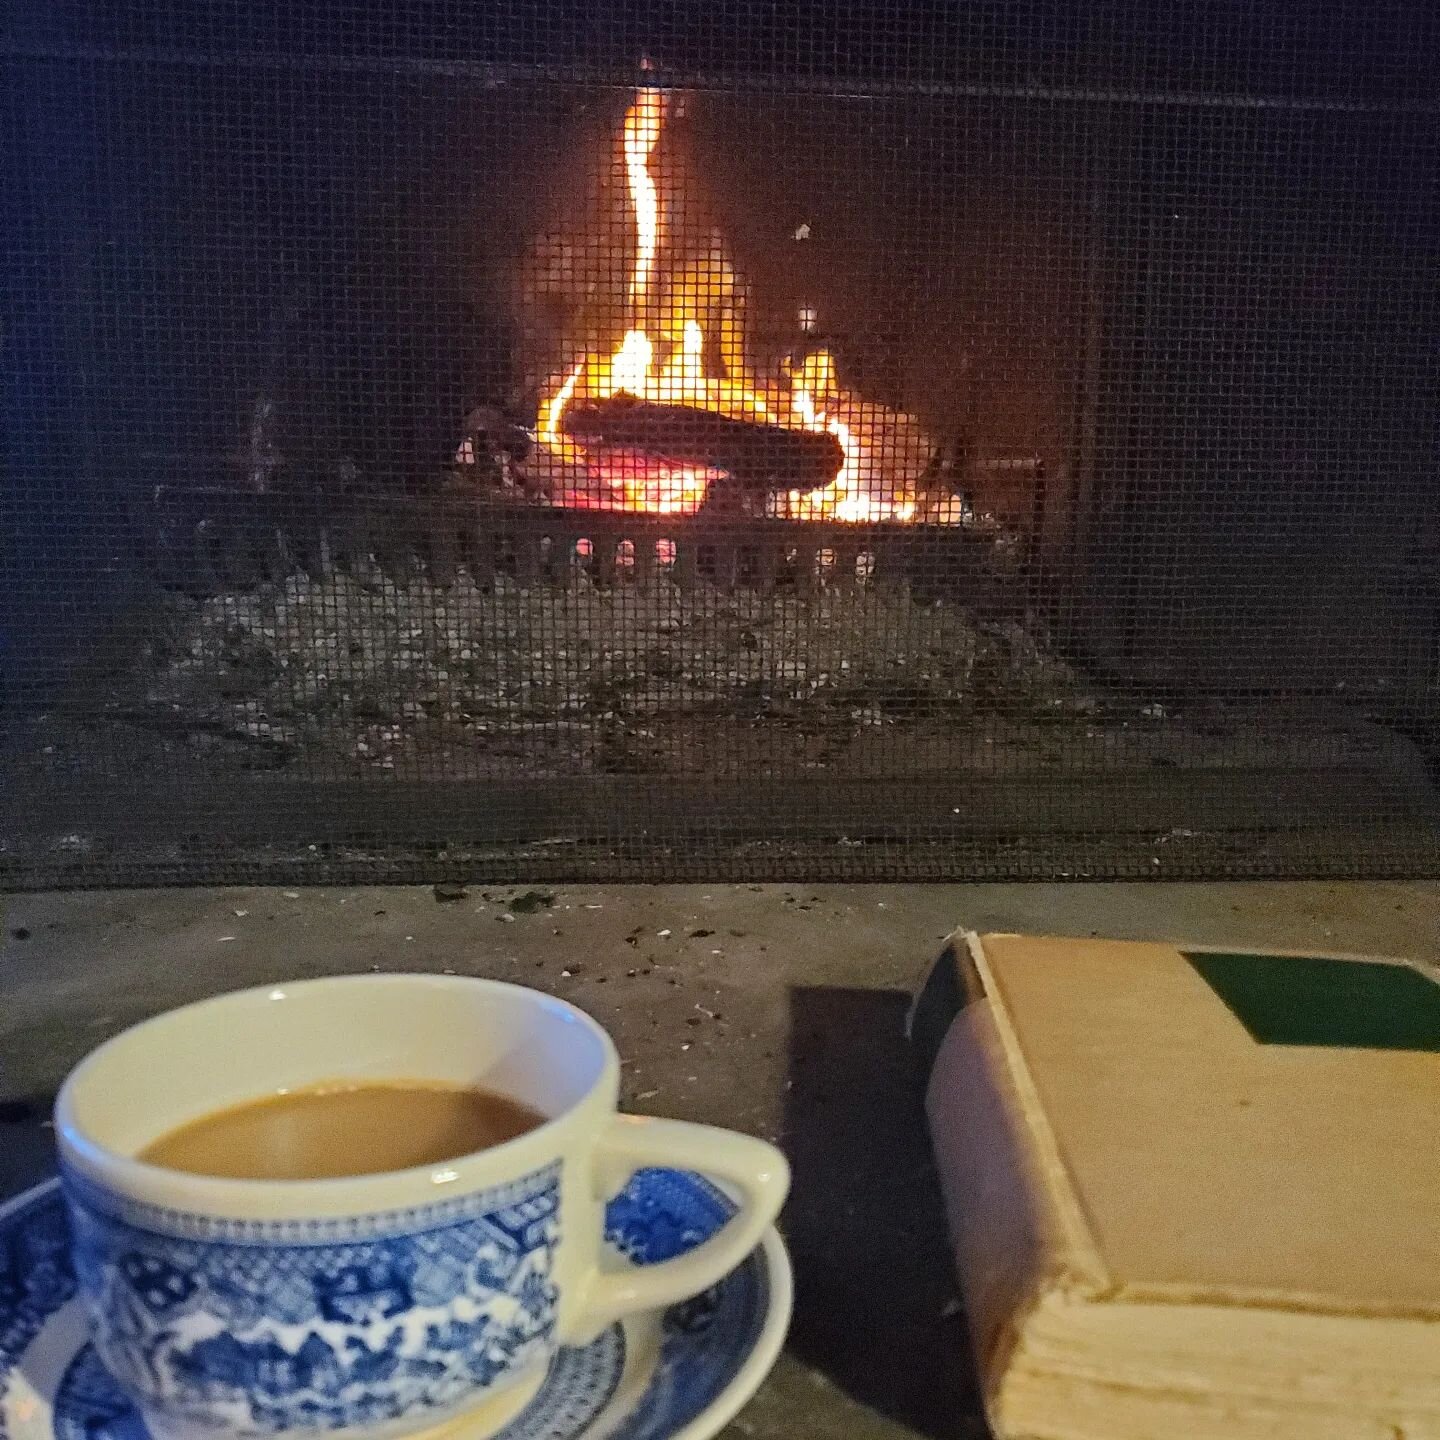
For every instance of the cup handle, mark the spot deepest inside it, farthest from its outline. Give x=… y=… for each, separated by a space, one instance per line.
x=757 y=1170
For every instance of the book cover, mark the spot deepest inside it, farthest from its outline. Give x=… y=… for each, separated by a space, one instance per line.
x=1181 y=1181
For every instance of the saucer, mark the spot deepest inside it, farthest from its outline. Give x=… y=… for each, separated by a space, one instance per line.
x=677 y=1375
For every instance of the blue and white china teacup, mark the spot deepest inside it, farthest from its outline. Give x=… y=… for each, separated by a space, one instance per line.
x=381 y=1304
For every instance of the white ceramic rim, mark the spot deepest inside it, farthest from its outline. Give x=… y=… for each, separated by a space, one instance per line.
x=126 y=1175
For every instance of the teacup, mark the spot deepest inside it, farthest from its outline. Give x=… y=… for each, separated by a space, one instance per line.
x=381 y=1304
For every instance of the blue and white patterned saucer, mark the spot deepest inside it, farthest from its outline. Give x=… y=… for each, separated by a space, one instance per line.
x=680 y=1375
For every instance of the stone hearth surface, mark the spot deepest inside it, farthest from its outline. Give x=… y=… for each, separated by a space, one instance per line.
x=775 y=1009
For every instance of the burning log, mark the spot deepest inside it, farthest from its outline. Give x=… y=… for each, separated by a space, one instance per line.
x=756 y=455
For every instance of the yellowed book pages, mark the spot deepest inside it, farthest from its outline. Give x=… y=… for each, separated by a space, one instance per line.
x=1194 y=1193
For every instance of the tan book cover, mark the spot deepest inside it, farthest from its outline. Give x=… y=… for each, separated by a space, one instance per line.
x=1192 y=1193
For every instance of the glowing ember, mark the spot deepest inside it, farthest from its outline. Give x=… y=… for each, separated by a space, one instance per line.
x=641 y=484
x=663 y=358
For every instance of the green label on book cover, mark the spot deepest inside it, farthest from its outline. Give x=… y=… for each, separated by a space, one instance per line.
x=1298 y=1000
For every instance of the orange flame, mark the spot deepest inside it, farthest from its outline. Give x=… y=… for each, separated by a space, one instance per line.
x=643 y=122
x=554 y=408
x=670 y=367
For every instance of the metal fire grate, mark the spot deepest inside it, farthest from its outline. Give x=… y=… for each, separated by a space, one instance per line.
x=646 y=441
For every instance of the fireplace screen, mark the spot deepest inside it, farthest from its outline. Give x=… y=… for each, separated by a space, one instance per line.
x=647 y=441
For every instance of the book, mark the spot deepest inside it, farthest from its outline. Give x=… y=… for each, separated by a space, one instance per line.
x=1191 y=1193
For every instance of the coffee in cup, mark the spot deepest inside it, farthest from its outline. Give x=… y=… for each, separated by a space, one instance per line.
x=341 y=1127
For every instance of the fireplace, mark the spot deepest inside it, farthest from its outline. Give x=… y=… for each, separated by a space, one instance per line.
x=643 y=442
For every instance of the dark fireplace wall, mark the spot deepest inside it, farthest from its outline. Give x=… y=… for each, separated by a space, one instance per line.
x=1265 y=397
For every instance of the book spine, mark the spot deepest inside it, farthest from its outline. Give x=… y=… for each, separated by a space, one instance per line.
x=1011 y=1215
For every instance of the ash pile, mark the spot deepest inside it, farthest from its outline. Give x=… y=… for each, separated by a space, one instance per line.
x=335 y=675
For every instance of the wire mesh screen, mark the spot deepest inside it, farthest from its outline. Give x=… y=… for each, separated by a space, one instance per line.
x=737 y=440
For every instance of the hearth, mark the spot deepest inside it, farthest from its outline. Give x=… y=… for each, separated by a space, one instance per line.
x=958 y=441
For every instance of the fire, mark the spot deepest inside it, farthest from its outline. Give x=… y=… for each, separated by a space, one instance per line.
x=630 y=365
x=642 y=133
x=665 y=356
